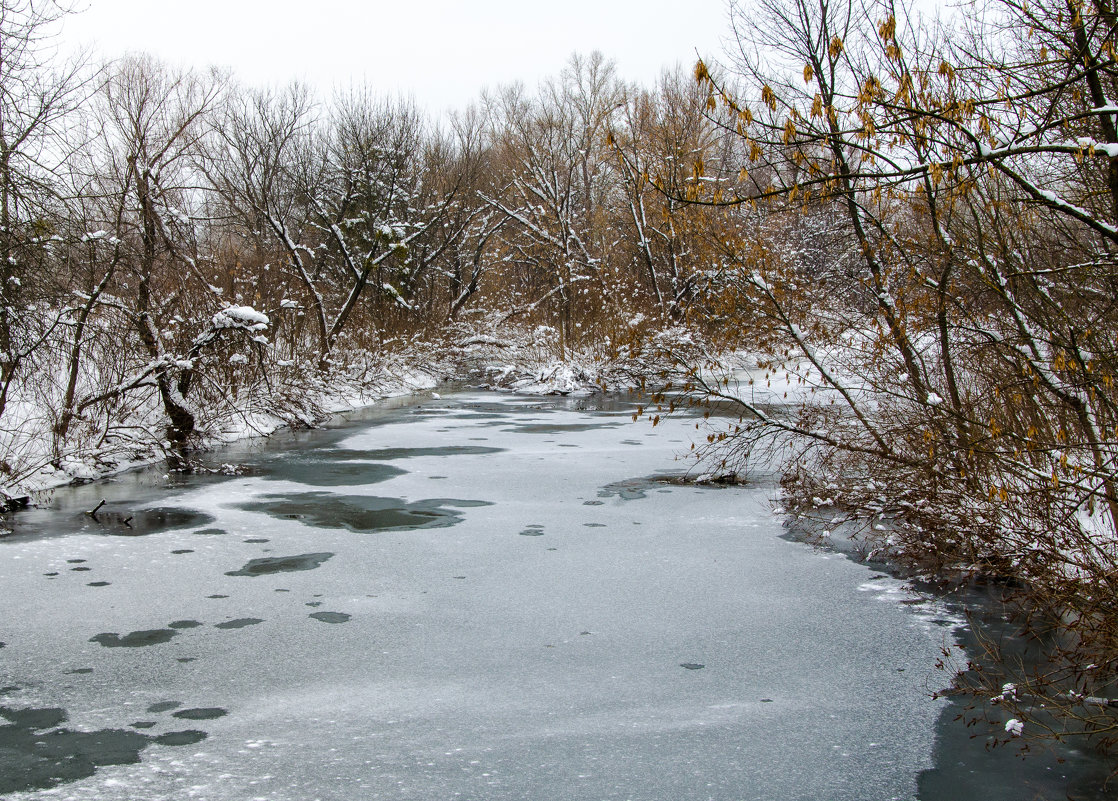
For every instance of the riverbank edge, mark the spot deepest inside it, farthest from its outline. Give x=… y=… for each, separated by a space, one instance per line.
x=319 y=401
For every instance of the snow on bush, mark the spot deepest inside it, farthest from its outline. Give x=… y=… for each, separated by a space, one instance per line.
x=241 y=317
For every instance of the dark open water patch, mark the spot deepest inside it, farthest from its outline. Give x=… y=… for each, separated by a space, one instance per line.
x=187 y=737
x=360 y=512
x=37 y=754
x=164 y=706
x=532 y=530
x=330 y=617
x=184 y=624
x=34 y=718
x=201 y=713
x=135 y=639
x=121 y=521
x=281 y=564
x=347 y=467
x=239 y=623
x=632 y=489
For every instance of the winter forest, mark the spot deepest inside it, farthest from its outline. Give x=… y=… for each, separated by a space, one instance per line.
x=877 y=248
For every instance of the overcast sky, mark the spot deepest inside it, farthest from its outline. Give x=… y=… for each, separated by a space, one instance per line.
x=443 y=52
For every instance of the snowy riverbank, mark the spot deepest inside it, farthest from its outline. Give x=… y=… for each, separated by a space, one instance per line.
x=289 y=396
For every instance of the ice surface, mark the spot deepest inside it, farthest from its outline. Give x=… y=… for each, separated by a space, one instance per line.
x=651 y=641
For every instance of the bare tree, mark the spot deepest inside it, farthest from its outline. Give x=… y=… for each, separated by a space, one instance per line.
x=558 y=195
x=37 y=95
x=343 y=199
x=153 y=120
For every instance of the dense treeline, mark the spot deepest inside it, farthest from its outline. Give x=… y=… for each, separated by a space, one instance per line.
x=180 y=250
x=917 y=223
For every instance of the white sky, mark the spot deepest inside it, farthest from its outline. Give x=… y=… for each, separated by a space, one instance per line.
x=441 y=52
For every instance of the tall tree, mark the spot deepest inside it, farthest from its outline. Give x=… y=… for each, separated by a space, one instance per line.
x=153 y=120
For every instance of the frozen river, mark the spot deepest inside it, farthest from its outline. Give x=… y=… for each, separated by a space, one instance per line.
x=476 y=597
